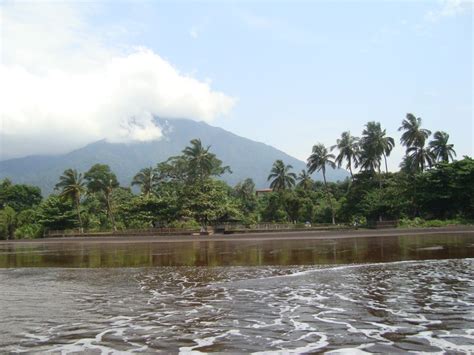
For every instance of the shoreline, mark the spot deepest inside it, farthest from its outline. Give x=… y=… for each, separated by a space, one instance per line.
x=249 y=236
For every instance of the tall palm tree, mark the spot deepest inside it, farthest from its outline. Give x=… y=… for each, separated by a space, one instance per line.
x=439 y=147
x=319 y=159
x=282 y=177
x=201 y=162
x=374 y=145
x=304 y=180
x=418 y=158
x=348 y=147
x=100 y=179
x=72 y=187
x=413 y=135
x=147 y=179
x=388 y=143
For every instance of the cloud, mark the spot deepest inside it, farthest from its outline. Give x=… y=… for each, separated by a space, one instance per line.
x=448 y=8
x=62 y=87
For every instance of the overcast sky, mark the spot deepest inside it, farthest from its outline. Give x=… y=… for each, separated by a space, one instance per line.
x=289 y=74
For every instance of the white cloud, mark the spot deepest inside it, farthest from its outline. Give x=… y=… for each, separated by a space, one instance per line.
x=449 y=8
x=61 y=87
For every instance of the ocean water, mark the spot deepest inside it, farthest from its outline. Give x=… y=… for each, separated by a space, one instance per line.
x=423 y=304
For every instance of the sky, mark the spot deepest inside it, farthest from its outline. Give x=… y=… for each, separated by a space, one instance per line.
x=287 y=73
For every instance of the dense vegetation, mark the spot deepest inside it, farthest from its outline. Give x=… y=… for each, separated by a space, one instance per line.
x=185 y=191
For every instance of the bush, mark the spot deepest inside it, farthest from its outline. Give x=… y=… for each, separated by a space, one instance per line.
x=29 y=231
x=420 y=222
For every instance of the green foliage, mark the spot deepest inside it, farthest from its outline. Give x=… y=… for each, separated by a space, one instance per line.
x=281 y=176
x=148 y=180
x=447 y=191
x=349 y=150
x=102 y=181
x=29 y=231
x=8 y=223
x=305 y=182
x=374 y=145
x=319 y=159
x=188 y=194
x=271 y=208
x=209 y=202
x=420 y=222
x=71 y=187
x=55 y=213
x=440 y=149
x=245 y=193
x=18 y=196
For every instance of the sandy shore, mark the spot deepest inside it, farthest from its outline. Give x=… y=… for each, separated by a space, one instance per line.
x=299 y=235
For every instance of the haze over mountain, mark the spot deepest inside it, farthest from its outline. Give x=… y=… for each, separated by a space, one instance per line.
x=246 y=158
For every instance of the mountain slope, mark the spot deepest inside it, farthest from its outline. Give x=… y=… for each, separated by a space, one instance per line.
x=246 y=158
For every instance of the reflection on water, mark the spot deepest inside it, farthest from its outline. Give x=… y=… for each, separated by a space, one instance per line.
x=385 y=295
x=237 y=253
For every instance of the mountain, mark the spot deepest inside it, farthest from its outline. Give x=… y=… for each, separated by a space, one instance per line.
x=246 y=158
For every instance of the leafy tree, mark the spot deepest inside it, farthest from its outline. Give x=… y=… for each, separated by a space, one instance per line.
x=292 y=204
x=304 y=180
x=317 y=161
x=100 y=179
x=55 y=213
x=72 y=187
x=440 y=149
x=448 y=190
x=209 y=202
x=8 y=223
x=148 y=179
x=271 y=208
x=281 y=175
x=19 y=196
x=349 y=150
x=245 y=192
x=146 y=212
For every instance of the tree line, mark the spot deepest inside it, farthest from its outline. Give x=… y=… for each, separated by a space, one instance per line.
x=185 y=191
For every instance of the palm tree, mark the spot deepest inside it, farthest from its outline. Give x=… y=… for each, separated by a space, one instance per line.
x=348 y=147
x=100 y=179
x=374 y=144
x=418 y=158
x=413 y=135
x=71 y=186
x=201 y=162
x=304 y=180
x=439 y=147
x=282 y=177
x=388 y=143
x=147 y=179
x=317 y=161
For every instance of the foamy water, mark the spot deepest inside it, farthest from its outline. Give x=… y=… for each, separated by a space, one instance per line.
x=421 y=306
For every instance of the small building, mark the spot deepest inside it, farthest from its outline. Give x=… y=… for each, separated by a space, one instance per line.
x=262 y=192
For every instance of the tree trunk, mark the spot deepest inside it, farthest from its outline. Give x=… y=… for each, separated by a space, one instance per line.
x=386 y=167
x=78 y=209
x=329 y=198
x=380 y=187
x=111 y=214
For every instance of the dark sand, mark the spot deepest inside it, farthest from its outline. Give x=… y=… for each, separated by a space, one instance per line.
x=290 y=235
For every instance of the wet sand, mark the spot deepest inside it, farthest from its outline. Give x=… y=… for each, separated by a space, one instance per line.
x=251 y=236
